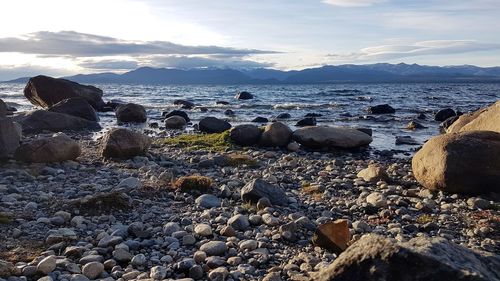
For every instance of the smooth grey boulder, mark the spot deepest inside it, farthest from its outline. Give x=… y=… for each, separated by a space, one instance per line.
x=257 y=189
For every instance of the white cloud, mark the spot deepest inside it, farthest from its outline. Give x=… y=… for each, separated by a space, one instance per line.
x=353 y=3
x=421 y=48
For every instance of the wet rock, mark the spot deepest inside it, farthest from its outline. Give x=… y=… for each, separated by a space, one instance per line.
x=78 y=107
x=46 y=91
x=124 y=144
x=184 y=104
x=260 y=120
x=333 y=236
x=213 y=125
x=444 y=114
x=283 y=116
x=58 y=148
x=131 y=113
x=465 y=162
x=331 y=137
x=276 y=134
x=408 y=140
x=308 y=121
x=175 y=122
x=176 y=113
x=381 y=109
x=243 y=96
x=10 y=137
x=245 y=135
x=257 y=189
x=376 y=258
x=413 y=125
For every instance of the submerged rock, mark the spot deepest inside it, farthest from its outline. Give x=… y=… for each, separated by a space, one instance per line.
x=465 y=162
x=58 y=148
x=243 y=96
x=381 y=109
x=420 y=259
x=46 y=91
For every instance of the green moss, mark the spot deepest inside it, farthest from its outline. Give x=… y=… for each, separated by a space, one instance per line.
x=211 y=142
x=241 y=159
x=193 y=183
x=423 y=219
x=5 y=218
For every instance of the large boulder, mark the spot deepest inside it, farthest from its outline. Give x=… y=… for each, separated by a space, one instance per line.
x=3 y=109
x=257 y=189
x=465 y=162
x=381 y=109
x=57 y=148
x=245 y=135
x=78 y=107
x=487 y=119
x=46 y=91
x=213 y=125
x=10 y=137
x=276 y=134
x=331 y=137
x=374 y=257
x=131 y=113
x=176 y=113
x=243 y=96
x=41 y=120
x=124 y=144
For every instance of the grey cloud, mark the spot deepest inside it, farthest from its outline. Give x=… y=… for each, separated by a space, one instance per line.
x=187 y=62
x=71 y=43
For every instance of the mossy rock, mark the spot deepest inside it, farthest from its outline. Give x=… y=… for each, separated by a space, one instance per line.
x=193 y=183
x=235 y=160
x=210 y=142
x=6 y=218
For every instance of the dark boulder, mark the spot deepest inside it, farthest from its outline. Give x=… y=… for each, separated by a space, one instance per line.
x=184 y=104
x=41 y=120
x=257 y=189
x=308 y=121
x=381 y=109
x=313 y=115
x=374 y=257
x=176 y=113
x=78 y=107
x=221 y=102
x=46 y=91
x=131 y=113
x=229 y=112
x=3 y=109
x=245 y=135
x=10 y=137
x=124 y=144
x=243 y=96
x=260 y=120
x=444 y=114
x=213 y=125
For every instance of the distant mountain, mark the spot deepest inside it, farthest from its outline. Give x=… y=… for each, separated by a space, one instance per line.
x=347 y=73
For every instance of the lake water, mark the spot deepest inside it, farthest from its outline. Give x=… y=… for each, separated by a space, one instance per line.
x=339 y=104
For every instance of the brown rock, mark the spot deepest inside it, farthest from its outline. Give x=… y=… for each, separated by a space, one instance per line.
x=420 y=259
x=276 y=134
x=333 y=236
x=58 y=148
x=465 y=162
x=487 y=119
x=46 y=91
x=124 y=144
x=373 y=173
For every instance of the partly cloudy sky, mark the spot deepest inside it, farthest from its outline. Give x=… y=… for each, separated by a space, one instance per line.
x=58 y=37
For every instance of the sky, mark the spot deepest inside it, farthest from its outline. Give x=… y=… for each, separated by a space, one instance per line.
x=60 y=37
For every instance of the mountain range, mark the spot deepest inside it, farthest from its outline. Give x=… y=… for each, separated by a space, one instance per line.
x=347 y=73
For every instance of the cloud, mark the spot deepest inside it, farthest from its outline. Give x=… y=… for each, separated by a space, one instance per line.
x=422 y=48
x=353 y=3
x=187 y=62
x=75 y=44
